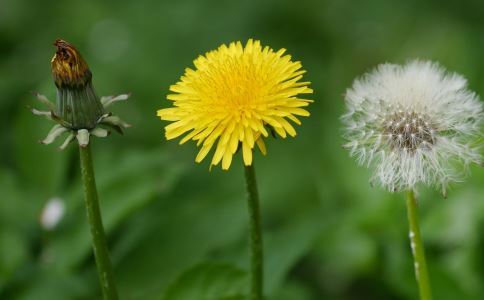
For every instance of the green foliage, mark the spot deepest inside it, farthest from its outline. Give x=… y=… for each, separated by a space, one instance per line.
x=210 y=282
x=179 y=231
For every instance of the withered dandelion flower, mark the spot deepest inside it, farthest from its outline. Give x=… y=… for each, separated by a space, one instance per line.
x=81 y=113
x=78 y=110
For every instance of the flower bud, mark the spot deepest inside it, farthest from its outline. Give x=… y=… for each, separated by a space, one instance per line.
x=79 y=111
x=77 y=102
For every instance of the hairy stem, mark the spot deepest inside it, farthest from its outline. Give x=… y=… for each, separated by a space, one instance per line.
x=417 y=246
x=101 y=254
x=256 y=252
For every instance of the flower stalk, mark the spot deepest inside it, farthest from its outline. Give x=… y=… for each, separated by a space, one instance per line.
x=80 y=113
x=99 y=244
x=229 y=103
x=414 y=124
x=255 y=229
x=417 y=246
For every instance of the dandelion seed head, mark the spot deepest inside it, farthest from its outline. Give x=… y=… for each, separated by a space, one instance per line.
x=426 y=127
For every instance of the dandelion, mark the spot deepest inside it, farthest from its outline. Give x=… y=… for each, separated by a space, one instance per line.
x=414 y=124
x=80 y=113
x=236 y=97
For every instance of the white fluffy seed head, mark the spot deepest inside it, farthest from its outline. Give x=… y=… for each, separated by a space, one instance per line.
x=414 y=123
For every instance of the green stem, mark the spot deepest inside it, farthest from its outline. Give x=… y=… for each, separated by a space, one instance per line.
x=101 y=254
x=418 y=248
x=256 y=253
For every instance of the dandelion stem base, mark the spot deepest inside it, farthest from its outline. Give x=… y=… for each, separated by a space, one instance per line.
x=101 y=254
x=417 y=246
x=256 y=249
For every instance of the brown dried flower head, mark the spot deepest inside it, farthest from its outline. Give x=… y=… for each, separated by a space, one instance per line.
x=78 y=110
x=68 y=66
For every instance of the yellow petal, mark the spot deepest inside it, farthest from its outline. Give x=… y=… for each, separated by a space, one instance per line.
x=218 y=155
x=280 y=132
x=168 y=114
x=227 y=159
x=271 y=121
x=262 y=146
x=190 y=135
x=249 y=137
x=287 y=126
x=234 y=142
x=246 y=154
x=296 y=111
x=203 y=152
x=174 y=133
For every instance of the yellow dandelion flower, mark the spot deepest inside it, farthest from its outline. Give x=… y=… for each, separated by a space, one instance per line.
x=235 y=96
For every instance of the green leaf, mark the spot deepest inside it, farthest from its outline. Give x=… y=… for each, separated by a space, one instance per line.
x=175 y=235
x=209 y=281
x=292 y=291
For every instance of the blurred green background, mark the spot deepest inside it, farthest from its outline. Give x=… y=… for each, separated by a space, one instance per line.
x=176 y=230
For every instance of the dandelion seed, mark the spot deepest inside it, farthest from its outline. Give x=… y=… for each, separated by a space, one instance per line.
x=427 y=117
x=52 y=213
